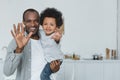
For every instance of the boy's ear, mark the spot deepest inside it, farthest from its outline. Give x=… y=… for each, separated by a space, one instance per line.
x=61 y=28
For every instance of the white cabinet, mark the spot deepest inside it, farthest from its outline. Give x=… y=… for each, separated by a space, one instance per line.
x=112 y=70
x=1 y=70
x=74 y=70
x=69 y=71
x=92 y=70
x=83 y=70
x=79 y=71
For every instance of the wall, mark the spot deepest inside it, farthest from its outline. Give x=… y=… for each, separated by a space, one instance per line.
x=118 y=28
x=90 y=25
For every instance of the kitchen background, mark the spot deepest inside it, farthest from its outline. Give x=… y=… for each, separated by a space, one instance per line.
x=91 y=26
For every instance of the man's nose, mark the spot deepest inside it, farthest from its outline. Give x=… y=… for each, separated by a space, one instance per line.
x=33 y=23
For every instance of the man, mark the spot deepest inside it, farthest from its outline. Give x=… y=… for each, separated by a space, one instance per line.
x=25 y=53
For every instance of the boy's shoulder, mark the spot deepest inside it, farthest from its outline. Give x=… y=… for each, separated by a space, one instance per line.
x=42 y=33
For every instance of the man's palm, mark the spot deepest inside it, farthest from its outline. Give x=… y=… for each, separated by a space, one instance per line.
x=19 y=36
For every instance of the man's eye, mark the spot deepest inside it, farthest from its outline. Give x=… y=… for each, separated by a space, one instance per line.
x=28 y=21
x=37 y=21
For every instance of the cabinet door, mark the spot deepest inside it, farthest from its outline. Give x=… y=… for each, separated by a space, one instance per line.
x=69 y=71
x=79 y=71
x=94 y=70
x=1 y=70
x=112 y=70
x=60 y=73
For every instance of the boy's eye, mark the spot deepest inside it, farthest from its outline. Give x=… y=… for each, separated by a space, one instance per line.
x=52 y=24
x=44 y=23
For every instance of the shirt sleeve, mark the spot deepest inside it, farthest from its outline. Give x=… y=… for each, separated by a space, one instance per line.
x=12 y=59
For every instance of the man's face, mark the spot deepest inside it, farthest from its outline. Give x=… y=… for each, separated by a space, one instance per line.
x=31 y=22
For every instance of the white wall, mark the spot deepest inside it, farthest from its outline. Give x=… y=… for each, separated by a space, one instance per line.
x=118 y=28
x=90 y=25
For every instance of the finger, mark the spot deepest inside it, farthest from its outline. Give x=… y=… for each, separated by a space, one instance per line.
x=22 y=27
x=56 y=62
x=18 y=28
x=56 y=37
x=53 y=63
x=29 y=35
x=52 y=66
x=14 y=28
x=12 y=34
x=53 y=37
x=58 y=31
x=57 y=34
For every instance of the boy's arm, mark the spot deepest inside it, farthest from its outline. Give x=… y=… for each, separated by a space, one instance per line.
x=57 y=36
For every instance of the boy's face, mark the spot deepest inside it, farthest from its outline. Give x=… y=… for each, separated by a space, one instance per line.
x=49 y=25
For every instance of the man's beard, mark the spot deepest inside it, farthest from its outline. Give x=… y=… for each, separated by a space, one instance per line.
x=34 y=33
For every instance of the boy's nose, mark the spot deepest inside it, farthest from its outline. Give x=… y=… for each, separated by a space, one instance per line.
x=48 y=26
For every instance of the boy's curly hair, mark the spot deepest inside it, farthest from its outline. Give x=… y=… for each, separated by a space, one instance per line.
x=54 y=13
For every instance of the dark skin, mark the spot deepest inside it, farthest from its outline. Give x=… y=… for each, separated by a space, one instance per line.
x=31 y=23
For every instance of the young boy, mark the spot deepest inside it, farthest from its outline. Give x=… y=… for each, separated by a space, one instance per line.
x=50 y=20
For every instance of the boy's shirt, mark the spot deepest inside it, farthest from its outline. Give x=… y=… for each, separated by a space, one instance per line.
x=51 y=48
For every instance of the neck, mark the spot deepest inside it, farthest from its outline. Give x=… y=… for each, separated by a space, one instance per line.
x=36 y=37
x=50 y=34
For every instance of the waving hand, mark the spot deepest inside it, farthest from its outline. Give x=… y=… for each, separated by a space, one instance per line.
x=19 y=36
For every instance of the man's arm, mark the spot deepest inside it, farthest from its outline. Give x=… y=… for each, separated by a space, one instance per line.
x=15 y=48
x=55 y=65
x=12 y=59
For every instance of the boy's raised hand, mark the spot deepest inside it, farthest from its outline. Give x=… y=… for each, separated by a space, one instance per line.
x=57 y=35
